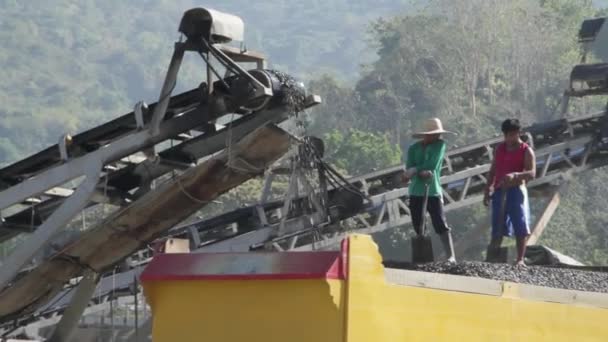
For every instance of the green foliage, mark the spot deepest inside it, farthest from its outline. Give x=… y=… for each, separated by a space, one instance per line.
x=473 y=63
x=339 y=110
x=580 y=225
x=69 y=65
x=360 y=152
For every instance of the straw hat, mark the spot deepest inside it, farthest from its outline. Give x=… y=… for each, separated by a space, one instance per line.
x=432 y=126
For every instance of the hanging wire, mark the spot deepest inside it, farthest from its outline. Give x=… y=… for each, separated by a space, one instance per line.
x=189 y=195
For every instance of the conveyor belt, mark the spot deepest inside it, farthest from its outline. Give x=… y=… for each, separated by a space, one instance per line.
x=117 y=162
x=579 y=139
x=94 y=138
x=564 y=148
x=127 y=230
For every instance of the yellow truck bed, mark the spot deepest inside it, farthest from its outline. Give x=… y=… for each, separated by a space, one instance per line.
x=350 y=296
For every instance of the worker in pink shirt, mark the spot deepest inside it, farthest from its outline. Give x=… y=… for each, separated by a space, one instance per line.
x=512 y=167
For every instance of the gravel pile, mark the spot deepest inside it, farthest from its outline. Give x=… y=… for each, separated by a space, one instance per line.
x=562 y=278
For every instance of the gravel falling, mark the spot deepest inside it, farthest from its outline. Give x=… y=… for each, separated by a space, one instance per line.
x=562 y=278
x=294 y=93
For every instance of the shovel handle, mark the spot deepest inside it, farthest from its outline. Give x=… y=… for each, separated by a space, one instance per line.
x=503 y=209
x=424 y=207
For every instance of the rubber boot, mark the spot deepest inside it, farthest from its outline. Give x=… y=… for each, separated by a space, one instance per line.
x=448 y=246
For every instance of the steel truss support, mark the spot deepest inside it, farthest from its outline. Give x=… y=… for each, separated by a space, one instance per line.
x=392 y=211
x=544 y=218
x=157 y=131
x=103 y=245
x=317 y=217
x=57 y=221
x=76 y=167
x=165 y=94
x=124 y=146
x=71 y=316
x=559 y=156
x=389 y=209
x=144 y=332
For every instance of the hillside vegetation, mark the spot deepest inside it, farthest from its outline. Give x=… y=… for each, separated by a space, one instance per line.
x=382 y=67
x=68 y=65
x=472 y=63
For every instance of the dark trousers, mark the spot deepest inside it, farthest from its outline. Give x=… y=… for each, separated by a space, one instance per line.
x=434 y=208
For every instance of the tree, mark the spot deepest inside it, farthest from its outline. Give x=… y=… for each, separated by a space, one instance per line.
x=339 y=110
x=473 y=63
x=359 y=152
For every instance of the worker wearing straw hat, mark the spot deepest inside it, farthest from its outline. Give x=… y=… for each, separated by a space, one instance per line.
x=424 y=162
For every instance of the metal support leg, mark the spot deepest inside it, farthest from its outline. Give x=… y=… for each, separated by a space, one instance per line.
x=310 y=192
x=165 y=94
x=138 y=111
x=293 y=182
x=143 y=332
x=544 y=219
x=71 y=316
x=64 y=142
x=564 y=105
x=136 y=302
x=267 y=188
x=264 y=198
x=261 y=65
x=57 y=221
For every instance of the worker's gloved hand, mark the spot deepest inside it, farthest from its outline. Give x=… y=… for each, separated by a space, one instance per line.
x=425 y=174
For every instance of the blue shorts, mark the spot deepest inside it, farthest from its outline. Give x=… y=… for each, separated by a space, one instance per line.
x=516 y=215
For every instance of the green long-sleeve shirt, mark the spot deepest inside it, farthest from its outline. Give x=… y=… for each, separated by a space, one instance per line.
x=426 y=158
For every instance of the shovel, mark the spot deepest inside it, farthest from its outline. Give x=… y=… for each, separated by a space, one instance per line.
x=500 y=254
x=422 y=247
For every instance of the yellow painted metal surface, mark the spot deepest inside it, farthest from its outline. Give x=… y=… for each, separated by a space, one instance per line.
x=252 y=310
x=378 y=311
x=363 y=308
